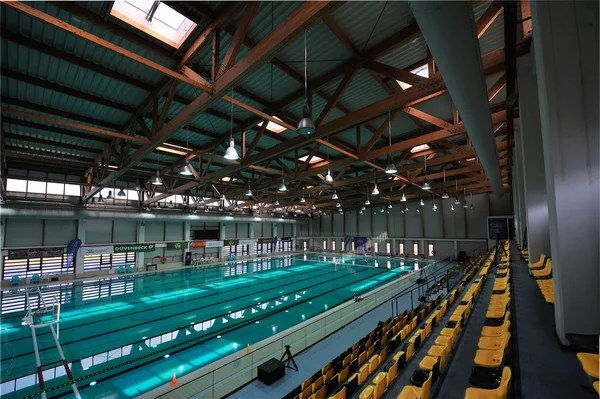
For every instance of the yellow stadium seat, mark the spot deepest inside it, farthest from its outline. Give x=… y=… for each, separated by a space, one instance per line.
x=545 y=271
x=392 y=373
x=438 y=351
x=596 y=387
x=538 y=263
x=363 y=374
x=590 y=363
x=341 y=394
x=367 y=393
x=343 y=375
x=317 y=385
x=320 y=394
x=306 y=383
x=489 y=358
x=373 y=363
x=444 y=341
x=412 y=392
x=362 y=358
x=488 y=331
x=306 y=393
x=499 y=393
x=380 y=382
x=494 y=343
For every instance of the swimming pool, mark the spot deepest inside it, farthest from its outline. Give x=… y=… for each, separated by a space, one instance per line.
x=123 y=336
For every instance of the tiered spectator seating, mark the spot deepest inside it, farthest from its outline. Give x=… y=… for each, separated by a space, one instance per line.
x=491 y=375
x=542 y=272
x=591 y=364
x=436 y=358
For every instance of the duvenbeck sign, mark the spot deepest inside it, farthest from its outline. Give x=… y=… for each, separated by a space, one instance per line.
x=134 y=248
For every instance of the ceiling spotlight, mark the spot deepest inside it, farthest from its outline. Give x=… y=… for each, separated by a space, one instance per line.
x=249 y=192
x=445 y=195
x=185 y=169
x=418 y=210
x=157 y=181
x=456 y=201
x=201 y=200
x=390 y=169
x=452 y=207
x=426 y=185
x=302 y=200
x=405 y=209
x=390 y=205
x=121 y=192
x=403 y=199
x=282 y=186
x=222 y=197
x=465 y=204
x=375 y=190
x=231 y=153
x=363 y=209
x=328 y=177
x=367 y=201
x=334 y=196
x=382 y=210
x=422 y=203
x=313 y=207
x=338 y=205
x=434 y=207
x=472 y=207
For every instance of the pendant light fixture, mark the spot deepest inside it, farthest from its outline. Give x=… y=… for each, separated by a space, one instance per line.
x=249 y=191
x=276 y=203
x=157 y=181
x=338 y=205
x=222 y=197
x=421 y=202
x=100 y=199
x=403 y=199
x=367 y=201
x=452 y=207
x=472 y=202
x=306 y=126
x=334 y=196
x=390 y=169
x=282 y=186
x=405 y=208
x=390 y=205
x=456 y=201
x=121 y=192
x=328 y=176
x=375 y=189
x=363 y=209
x=445 y=194
x=185 y=170
x=302 y=200
x=313 y=207
x=382 y=210
x=231 y=153
x=426 y=185
x=465 y=198
x=110 y=196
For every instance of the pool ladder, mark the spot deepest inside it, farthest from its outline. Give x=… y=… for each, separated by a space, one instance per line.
x=30 y=321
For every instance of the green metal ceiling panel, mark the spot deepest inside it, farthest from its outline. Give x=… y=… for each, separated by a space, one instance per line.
x=259 y=83
x=31 y=134
x=365 y=24
x=407 y=55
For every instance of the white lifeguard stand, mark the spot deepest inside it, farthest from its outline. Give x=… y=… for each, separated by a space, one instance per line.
x=45 y=315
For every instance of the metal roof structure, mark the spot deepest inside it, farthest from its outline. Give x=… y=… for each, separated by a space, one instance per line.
x=86 y=94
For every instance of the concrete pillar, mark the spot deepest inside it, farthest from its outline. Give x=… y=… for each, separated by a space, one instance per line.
x=222 y=238
x=78 y=261
x=275 y=235
x=251 y=249
x=141 y=238
x=538 y=236
x=565 y=38
x=518 y=176
x=295 y=240
x=2 y=237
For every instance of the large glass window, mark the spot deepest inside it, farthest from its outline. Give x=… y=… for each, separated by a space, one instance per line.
x=376 y=246
x=401 y=247
x=305 y=245
x=108 y=261
x=25 y=268
x=333 y=245
x=430 y=249
x=324 y=244
x=415 y=249
x=388 y=248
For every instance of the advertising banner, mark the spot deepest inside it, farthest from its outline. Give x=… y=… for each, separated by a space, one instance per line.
x=247 y=242
x=285 y=239
x=35 y=253
x=214 y=244
x=104 y=249
x=134 y=248
x=232 y=242
x=264 y=240
x=176 y=245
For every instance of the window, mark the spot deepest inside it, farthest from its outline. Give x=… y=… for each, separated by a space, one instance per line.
x=25 y=268
x=305 y=245
x=333 y=245
x=401 y=245
x=423 y=71
x=388 y=248
x=55 y=188
x=419 y=148
x=108 y=261
x=36 y=187
x=264 y=247
x=285 y=246
x=324 y=244
x=154 y=18
x=343 y=245
x=376 y=246
x=73 y=190
x=416 y=249
x=275 y=128
x=313 y=160
x=430 y=250
x=16 y=185
x=237 y=250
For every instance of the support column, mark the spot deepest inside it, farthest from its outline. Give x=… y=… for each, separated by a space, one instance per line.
x=222 y=238
x=251 y=247
x=538 y=236
x=141 y=238
x=294 y=236
x=565 y=38
x=275 y=235
x=518 y=176
x=2 y=237
x=78 y=261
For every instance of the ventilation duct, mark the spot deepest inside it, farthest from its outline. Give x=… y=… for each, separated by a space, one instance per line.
x=450 y=32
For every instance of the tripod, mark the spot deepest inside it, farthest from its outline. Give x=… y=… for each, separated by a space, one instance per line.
x=290 y=358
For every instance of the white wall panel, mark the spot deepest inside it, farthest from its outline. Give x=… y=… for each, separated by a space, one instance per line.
x=229 y=230
x=432 y=220
x=379 y=225
x=477 y=217
x=338 y=224
x=59 y=232
x=351 y=222
x=23 y=232
x=396 y=221
x=414 y=227
x=243 y=230
x=124 y=231
x=364 y=223
x=154 y=231
x=98 y=231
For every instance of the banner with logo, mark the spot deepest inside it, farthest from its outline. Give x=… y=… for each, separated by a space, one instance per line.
x=264 y=240
x=103 y=249
x=214 y=244
x=247 y=242
x=232 y=242
x=35 y=253
x=198 y=244
x=134 y=248
x=285 y=239
x=176 y=245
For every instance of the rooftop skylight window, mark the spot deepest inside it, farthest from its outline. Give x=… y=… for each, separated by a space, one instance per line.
x=419 y=148
x=154 y=18
x=313 y=160
x=274 y=127
x=423 y=71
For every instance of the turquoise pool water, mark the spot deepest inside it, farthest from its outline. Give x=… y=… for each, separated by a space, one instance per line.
x=123 y=336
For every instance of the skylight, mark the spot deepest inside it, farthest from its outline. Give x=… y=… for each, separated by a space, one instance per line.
x=154 y=18
x=313 y=160
x=423 y=71
x=227 y=179
x=274 y=127
x=174 y=149
x=419 y=148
